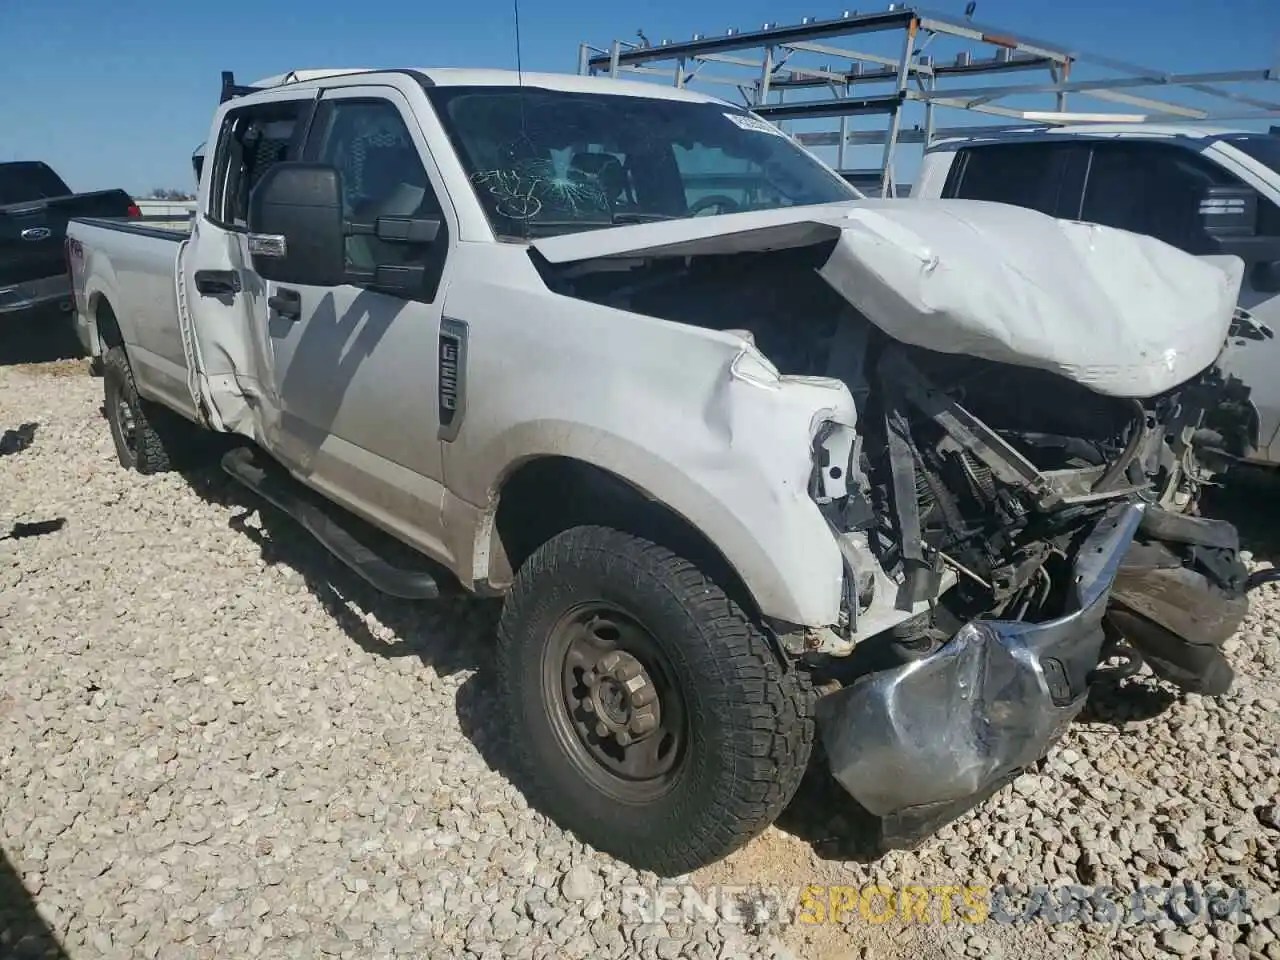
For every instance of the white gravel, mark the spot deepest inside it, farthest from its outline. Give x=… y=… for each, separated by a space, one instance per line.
x=206 y=749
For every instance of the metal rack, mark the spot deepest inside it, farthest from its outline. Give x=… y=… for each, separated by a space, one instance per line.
x=774 y=72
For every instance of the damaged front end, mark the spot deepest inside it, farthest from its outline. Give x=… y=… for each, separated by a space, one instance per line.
x=921 y=742
x=1042 y=510
x=1037 y=406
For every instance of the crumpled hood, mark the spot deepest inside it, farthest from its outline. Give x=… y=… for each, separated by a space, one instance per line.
x=1121 y=313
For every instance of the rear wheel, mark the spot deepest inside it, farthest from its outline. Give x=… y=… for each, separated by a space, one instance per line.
x=652 y=717
x=147 y=438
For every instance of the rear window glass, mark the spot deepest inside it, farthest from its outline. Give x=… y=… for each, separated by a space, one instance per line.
x=1022 y=174
x=22 y=182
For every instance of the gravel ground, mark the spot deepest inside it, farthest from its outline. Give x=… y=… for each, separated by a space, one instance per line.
x=214 y=741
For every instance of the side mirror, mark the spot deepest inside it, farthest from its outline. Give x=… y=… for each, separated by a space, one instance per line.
x=296 y=228
x=1229 y=218
x=1229 y=211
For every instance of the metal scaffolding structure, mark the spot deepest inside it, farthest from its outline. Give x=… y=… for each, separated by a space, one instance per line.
x=774 y=73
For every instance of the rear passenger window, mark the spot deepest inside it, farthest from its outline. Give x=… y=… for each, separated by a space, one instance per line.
x=1022 y=174
x=251 y=141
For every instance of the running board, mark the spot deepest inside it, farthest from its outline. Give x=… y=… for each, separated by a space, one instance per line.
x=276 y=486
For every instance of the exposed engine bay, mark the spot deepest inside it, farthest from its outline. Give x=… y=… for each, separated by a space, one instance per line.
x=972 y=479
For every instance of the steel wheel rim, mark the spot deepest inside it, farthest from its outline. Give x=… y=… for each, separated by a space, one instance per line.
x=128 y=424
x=614 y=703
x=121 y=419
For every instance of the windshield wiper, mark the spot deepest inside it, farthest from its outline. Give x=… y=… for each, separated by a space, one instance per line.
x=545 y=227
x=636 y=216
x=624 y=218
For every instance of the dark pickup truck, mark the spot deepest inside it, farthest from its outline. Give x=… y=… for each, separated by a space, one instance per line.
x=35 y=205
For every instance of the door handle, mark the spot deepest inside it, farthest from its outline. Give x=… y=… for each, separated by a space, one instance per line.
x=217 y=283
x=287 y=303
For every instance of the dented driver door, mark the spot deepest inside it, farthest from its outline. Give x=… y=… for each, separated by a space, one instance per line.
x=354 y=368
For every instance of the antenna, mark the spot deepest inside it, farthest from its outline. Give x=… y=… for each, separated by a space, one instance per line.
x=524 y=129
x=515 y=4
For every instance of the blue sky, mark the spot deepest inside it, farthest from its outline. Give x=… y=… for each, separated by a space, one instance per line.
x=118 y=93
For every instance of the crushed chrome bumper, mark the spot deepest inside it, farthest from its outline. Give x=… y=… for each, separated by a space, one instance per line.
x=919 y=743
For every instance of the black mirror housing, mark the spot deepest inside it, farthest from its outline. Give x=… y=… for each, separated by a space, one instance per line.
x=407 y=229
x=1229 y=212
x=1258 y=253
x=1265 y=276
x=296 y=226
x=1229 y=219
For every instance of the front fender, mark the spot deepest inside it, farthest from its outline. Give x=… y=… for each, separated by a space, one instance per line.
x=697 y=419
x=737 y=476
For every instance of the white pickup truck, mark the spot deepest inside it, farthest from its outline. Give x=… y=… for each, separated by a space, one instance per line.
x=751 y=460
x=1206 y=190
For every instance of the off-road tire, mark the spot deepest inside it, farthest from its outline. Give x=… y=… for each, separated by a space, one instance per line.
x=157 y=439
x=749 y=719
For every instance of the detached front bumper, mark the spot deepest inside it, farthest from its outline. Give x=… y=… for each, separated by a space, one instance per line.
x=16 y=297
x=920 y=743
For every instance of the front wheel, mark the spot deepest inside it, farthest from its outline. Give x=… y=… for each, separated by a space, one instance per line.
x=652 y=717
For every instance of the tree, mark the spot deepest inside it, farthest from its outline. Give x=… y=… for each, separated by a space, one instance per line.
x=163 y=193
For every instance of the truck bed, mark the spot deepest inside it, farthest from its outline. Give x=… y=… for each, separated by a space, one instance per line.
x=123 y=267
x=160 y=228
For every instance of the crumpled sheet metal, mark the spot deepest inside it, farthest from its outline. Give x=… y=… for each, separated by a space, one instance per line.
x=940 y=729
x=1177 y=615
x=992 y=700
x=1181 y=602
x=1121 y=313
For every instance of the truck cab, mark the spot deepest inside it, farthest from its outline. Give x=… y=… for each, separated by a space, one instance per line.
x=1208 y=191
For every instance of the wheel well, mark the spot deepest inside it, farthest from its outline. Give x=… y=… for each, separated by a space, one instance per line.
x=548 y=495
x=104 y=319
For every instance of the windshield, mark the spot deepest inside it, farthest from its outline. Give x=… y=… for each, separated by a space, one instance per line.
x=24 y=181
x=1263 y=147
x=547 y=161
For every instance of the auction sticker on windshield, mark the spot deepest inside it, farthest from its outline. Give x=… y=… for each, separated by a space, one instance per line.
x=749 y=121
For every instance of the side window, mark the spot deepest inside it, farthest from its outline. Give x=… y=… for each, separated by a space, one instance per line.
x=1150 y=188
x=1022 y=174
x=382 y=176
x=250 y=142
